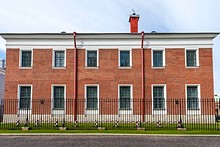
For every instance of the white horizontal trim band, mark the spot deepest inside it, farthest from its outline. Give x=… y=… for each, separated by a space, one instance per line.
x=108 y=47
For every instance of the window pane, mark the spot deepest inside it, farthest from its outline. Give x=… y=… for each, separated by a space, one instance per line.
x=157 y=58
x=92 y=99
x=125 y=97
x=25 y=97
x=26 y=59
x=59 y=58
x=191 y=58
x=158 y=98
x=92 y=58
x=125 y=58
x=192 y=98
x=58 y=97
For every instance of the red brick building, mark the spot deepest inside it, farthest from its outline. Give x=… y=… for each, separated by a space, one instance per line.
x=139 y=72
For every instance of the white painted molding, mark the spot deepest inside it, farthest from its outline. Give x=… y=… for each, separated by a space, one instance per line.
x=109 y=40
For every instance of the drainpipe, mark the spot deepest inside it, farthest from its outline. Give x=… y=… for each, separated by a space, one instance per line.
x=75 y=78
x=143 y=76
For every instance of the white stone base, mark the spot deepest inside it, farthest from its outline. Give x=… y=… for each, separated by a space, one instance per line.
x=101 y=128
x=129 y=118
x=25 y=128
x=181 y=129
x=62 y=128
x=143 y=129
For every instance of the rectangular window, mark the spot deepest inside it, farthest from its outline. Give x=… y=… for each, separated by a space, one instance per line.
x=192 y=98
x=92 y=59
x=26 y=58
x=92 y=97
x=58 y=97
x=125 y=97
x=158 y=58
x=24 y=97
x=59 y=60
x=158 y=98
x=191 y=58
x=125 y=59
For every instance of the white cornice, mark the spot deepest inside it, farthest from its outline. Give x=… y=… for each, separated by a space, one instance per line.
x=210 y=35
x=109 y=40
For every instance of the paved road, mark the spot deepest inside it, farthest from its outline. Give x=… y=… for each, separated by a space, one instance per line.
x=103 y=141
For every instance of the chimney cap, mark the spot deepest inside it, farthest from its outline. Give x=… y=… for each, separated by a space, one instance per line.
x=133 y=15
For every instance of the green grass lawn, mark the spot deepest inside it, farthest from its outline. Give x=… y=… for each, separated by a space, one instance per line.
x=150 y=128
x=195 y=132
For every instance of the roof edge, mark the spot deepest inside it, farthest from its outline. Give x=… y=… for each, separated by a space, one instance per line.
x=111 y=35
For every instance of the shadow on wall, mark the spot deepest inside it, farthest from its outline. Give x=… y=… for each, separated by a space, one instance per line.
x=2 y=91
x=2 y=84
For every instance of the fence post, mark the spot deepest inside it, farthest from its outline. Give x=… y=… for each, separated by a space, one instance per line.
x=180 y=123
x=42 y=108
x=26 y=123
x=141 y=116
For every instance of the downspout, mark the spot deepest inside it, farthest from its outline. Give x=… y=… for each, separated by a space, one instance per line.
x=75 y=78
x=143 y=76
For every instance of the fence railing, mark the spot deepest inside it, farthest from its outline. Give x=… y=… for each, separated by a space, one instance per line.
x=109 y=114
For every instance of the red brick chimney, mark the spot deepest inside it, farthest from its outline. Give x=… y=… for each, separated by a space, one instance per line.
x=134 y=22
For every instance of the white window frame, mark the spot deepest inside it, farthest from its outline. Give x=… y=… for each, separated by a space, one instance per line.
x=131 y=103
x=20 y=58
x=56 y=111
x=165 y=99
x=119 y=60
x=217 y=99
x=87 y=111
x=197 y=57
x=164 y=57
x=23 y=111
x=97 y=50
x=199 y=97
x=53 y=59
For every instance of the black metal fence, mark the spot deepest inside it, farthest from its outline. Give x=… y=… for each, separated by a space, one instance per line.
x=109 y=114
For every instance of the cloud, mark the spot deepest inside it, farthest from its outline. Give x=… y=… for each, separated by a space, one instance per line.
x=112 y=16
x=55 y=16
x=193 y=16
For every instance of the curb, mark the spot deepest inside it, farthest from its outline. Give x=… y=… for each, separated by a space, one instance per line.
x=107 y=134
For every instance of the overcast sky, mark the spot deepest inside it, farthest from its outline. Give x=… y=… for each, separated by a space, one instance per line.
x=112 y=16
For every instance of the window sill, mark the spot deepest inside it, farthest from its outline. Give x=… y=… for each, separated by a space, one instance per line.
x=130 y=67
x=193 y=109
x=24 y=109
x=58 y=109
x=21 y=67
x=192 y=66
x=90 y=109
x=92 y=67
x=54 y=67
x=121 y=109
x=162 y=67
x=159 y=109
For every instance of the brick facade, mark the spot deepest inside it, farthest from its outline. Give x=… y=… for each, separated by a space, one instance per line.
x=108 y=76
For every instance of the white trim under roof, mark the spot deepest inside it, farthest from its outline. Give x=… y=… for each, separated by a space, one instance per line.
x=108 y=40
